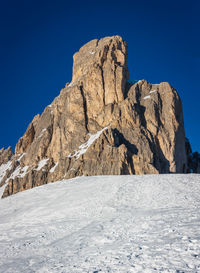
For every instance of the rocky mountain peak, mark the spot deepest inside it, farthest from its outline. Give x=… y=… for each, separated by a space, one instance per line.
x=101 y=124
x=5 y=155
x=100 y=69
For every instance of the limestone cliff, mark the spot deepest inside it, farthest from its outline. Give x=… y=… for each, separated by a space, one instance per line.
x=101 y=124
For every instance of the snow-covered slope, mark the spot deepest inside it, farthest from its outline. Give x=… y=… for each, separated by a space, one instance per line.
x=103 y=224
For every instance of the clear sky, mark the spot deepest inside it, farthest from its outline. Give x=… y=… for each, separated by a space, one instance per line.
x=39 y=38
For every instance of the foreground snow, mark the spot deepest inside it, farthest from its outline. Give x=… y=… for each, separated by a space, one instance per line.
x=103 y=224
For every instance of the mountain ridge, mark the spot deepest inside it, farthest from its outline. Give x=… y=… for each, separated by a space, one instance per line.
x=101 y=124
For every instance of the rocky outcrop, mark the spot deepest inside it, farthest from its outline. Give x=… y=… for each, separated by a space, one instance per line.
x=193 y=159
x=5 y=155
x=101 y=124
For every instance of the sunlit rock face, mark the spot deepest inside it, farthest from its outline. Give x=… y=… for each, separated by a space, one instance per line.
x=101 y=124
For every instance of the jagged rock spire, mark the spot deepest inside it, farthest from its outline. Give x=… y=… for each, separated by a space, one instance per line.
x=101 y=124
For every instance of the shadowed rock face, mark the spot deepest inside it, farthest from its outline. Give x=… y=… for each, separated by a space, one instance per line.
x=101 y=124
x=193 y=159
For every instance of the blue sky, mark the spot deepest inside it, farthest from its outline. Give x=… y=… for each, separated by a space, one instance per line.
x=38 y=39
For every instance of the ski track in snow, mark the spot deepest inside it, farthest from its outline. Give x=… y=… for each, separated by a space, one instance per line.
x=147 y=223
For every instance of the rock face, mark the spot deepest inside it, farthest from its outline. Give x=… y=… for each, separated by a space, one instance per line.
x=193 y=159
x=101 y=124
x=5 y=155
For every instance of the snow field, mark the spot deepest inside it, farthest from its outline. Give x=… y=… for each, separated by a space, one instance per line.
x=147 y=223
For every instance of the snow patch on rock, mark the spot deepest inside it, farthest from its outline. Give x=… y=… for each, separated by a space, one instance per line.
x=53 y=168
x=42 y=132
x=152 y=91
x=23 y=171
x=41 y=164
x=4 y=168
x=21 y=156
x=71 y=84
x=147 y=97
x=83 y=147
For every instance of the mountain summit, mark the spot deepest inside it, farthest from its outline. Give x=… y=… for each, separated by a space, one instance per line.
x=100 y=124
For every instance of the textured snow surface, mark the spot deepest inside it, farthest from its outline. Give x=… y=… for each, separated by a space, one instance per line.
x=101 y=224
